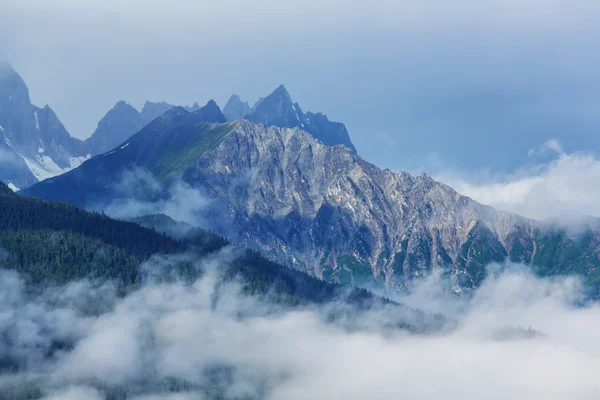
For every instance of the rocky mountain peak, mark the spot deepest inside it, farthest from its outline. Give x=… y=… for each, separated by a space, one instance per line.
x=281 y=92
x=34 y=141
x=194 y=107
x=236 y=109
x=152 y=110
x=12 y=85
x=209 y=113
x=278 y=109
x=122 y=121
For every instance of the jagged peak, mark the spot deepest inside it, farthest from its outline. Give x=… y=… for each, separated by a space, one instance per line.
x=151 y=103
x=211 y=104
x=280 y=92
x=47 y=110
x=234 y=99
x=123 y=104
x=12 y=84
x=175 y=111
x=209 y=113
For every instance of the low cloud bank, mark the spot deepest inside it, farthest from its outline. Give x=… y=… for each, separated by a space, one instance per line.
x=555 y=185
x=519 y=337
x=138 y=193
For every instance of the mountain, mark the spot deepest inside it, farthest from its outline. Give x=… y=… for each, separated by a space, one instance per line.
x=325 y=210
x=122 y=121
x=193 y=107
x=235 y=108
x=278 y=109
x=210 y=113
x=34 y=144
x=151 y=110
x=56 y=243
x=166 y=147
x=76 y=269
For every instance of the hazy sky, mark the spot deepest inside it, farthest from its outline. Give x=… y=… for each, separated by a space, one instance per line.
x=421 y=85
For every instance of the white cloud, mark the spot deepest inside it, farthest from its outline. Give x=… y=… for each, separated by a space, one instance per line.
x=76 y=393
x=182 y=202
x=565 y=187
x=209 y=333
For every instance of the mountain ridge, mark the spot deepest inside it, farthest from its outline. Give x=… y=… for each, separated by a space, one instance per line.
x=278 y=109
x=326 y=211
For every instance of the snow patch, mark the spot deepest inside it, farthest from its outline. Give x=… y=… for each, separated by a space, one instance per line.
x=124 y=146
x=13 y=187
x=108 y=154
x=43 y=167
x=37 y=122
x=40 y=150
x=77 y=161
x=1 y=128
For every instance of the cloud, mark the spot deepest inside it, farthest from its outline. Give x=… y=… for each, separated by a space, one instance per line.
x=207 y=339
x=76 y=393
x=565 y=187
x=138 y=193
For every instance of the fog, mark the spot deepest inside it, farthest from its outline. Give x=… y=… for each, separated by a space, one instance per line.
x=138 y=193
x=518 y=337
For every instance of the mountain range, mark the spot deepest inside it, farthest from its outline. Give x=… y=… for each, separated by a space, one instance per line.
x=52 y=243
x=287 y=183
x=323 y=209
x=35 y=145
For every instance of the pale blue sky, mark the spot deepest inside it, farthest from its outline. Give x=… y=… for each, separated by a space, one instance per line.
x=420 y=85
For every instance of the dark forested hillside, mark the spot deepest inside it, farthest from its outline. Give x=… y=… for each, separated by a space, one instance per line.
x=54 y=243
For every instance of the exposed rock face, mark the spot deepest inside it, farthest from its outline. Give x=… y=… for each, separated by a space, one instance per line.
x=235 y=109
x=324 y=209
x=56 y=141
x=34 y=144
x=328 y=211
x=278 y=109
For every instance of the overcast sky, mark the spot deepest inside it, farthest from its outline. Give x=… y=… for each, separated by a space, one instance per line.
x=421 y=85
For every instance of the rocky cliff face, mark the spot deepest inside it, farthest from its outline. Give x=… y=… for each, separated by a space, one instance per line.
x=35 y=145
x=326 y=210
x=278 y=109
